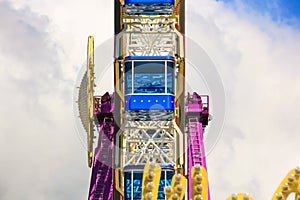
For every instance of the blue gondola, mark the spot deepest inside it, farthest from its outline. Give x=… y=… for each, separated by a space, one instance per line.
x=149 y=83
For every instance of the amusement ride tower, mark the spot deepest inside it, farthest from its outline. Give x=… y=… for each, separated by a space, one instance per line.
x=150 y=131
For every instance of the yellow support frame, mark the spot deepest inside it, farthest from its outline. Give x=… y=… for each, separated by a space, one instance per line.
x=151 y=179
x=118 y=180
x=178 y=188
x=200 y=183
x=90 y=94
x=182 y=184
x=290 y=184
x=239 y=196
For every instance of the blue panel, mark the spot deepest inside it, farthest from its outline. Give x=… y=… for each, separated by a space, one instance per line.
x=149 y=102
x=149 y=58
x=164 y=182
x=135 y=188
x=149 y=1
x=128 y=185
x=166 y=166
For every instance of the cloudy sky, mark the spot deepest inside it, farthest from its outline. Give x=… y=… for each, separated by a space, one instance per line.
x=254 y=46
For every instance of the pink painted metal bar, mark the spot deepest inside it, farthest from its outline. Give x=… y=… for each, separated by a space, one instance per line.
x=101 y=179
x=196 y=119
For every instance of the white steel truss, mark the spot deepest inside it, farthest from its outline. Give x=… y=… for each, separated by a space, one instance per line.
x=149 y=37
x=149 y=141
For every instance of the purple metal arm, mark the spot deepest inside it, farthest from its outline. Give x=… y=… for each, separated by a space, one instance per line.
x=197 y=118
x=101 y=185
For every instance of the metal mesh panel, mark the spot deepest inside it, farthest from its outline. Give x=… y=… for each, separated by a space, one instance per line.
x=83 y=102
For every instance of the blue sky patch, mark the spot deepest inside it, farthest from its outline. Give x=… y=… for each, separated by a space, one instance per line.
x=280 y=10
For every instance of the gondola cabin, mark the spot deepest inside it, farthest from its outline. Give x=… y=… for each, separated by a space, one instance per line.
x=149 y=83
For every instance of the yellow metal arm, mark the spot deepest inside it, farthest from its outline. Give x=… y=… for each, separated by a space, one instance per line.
x=290 y=184
x=239 y=196
x=151 y=180
x=200 y=183
x=178 y=188
x=90 y=94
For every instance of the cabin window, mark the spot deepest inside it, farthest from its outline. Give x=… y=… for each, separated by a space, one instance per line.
x=149 y=77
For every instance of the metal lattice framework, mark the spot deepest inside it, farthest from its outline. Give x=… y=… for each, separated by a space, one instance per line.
x=149 y=37
x=149 y=141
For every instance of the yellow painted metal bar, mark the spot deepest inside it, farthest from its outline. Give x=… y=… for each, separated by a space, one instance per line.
x=178 y=188
x=151 y=179
x=179 y=147
x=200 y=183
x=118 y=81
x=290 y=184
x=90 y=94
x=179 y=184
x=118 y=180
x=176 y=10
x=180 y=79
x=239 y=196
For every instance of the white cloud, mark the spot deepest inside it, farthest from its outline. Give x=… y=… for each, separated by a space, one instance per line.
x=259 y=65
x=72 y=22
x=43 y=46
x=40 y=157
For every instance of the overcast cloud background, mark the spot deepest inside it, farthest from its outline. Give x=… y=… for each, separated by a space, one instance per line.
x=43 y=45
